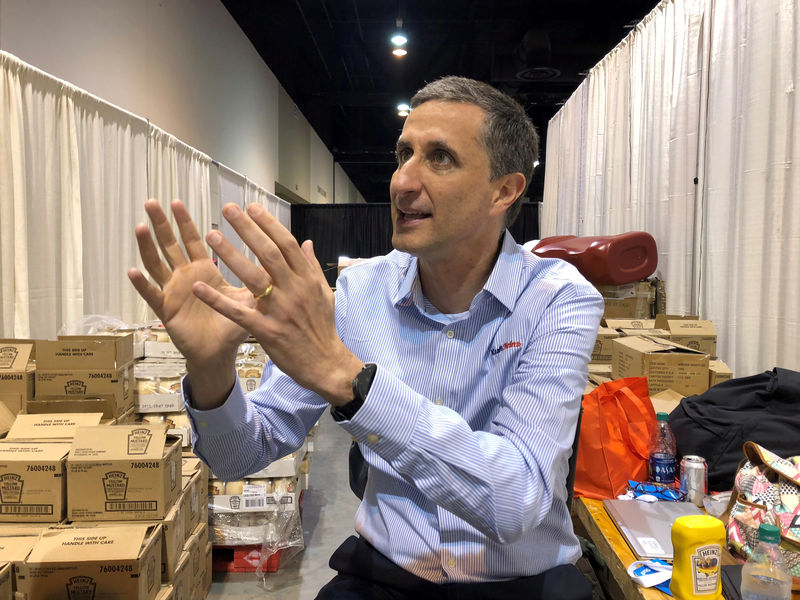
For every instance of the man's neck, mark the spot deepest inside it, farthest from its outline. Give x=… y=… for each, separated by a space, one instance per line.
x=451 y=285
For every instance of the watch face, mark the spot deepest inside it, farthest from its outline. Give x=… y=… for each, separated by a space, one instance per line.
x=363 y=381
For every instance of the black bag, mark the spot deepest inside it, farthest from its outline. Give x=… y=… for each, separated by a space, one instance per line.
x=763 y=408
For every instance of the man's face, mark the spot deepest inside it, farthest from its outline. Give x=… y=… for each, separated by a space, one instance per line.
x=442 y=199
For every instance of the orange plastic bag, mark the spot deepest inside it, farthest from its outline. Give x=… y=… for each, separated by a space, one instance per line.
x=618 y=417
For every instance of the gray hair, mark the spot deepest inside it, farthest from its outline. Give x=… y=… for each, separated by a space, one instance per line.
x=509 y=136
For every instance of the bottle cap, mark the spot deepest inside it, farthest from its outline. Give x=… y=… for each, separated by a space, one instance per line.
x=769 y=533
x=662 y=416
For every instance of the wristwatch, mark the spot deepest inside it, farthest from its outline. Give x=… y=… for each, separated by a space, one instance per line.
x=361 y=385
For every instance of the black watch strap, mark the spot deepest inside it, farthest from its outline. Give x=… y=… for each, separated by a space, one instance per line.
x=361 y=385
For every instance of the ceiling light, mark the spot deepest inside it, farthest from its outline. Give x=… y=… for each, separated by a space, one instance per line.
x=398 y=39
x=535 y=164
x=403 y=109
x=399 y=51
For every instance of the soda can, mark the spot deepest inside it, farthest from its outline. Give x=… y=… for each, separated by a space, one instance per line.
x=694 y=478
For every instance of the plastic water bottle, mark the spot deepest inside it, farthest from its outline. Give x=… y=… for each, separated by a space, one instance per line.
x=662 y=451
x=764 y=576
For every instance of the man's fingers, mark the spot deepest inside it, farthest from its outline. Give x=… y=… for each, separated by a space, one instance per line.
x=308 y=251
x=281 y=237
x=262 y=246
x=189 y=234
x=244 y=316
x=150 y=256
x=251 y=275
x=164 y=234
x=151 y=294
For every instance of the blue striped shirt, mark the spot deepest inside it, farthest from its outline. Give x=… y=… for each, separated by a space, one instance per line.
x=467 y=427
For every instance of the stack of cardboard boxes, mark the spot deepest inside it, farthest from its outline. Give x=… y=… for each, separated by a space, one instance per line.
x=103 y=441
x=92 y=502
x=677 y=353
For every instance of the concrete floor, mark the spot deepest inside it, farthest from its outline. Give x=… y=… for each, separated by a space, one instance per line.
x=328 y=510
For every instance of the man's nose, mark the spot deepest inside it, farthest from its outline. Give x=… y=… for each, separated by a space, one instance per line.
x=406 y=178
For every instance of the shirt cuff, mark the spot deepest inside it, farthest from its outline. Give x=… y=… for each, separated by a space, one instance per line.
x=217 y=421
x=386 y=420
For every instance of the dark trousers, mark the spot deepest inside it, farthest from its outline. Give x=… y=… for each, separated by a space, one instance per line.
x=366 y=574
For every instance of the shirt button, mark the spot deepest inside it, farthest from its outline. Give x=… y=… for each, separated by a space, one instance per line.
x=439 y=401
x=450 y=334
x=451 y=562
x=372 y=438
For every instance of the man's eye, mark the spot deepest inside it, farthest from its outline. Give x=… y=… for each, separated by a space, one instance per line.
x=402 y=155
x=440 y=158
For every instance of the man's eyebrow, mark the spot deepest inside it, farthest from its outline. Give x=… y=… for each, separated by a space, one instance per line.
x=442 y=145
x=436 y=144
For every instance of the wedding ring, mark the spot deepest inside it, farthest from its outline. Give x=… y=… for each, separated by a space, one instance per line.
x=265 y=293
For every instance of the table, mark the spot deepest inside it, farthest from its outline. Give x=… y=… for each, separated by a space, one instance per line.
x=593 y=522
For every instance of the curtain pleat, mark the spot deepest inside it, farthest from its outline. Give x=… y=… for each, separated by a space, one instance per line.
x=75 y=172
x=687 y=130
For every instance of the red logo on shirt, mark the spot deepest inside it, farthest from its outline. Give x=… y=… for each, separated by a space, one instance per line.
x=506 y=346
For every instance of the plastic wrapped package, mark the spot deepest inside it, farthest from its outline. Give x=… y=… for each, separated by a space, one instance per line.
x=239 y=509
x=250 y=371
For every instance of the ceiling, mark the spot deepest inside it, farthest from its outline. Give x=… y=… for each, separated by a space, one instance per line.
x=334 y=59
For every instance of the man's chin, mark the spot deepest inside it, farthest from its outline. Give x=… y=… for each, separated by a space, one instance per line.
x=402 y=243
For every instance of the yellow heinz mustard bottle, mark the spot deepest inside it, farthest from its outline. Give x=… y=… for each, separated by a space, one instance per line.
x=697 y=541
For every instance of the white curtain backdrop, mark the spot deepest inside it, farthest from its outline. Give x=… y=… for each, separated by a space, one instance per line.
x=113 y=181
x=40 y=204
x=236 y=188
x=686 y=130
x=750 y=266
x=75 y=172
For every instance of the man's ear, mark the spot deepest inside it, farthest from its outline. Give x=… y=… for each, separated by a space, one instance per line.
x=509 y=188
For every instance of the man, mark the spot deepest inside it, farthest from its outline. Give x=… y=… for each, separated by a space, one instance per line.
x=457 y=361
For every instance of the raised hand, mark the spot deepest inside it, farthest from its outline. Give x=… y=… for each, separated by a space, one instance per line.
x=205 y=337
x=294 y=322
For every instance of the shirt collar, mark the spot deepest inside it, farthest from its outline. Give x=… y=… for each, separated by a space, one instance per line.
x=503 y=282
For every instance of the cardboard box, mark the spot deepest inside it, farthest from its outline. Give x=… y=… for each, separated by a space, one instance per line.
x=85 y=352
x=193 y=497
x=161 y=350
x=630 y=323
x=32 y=481
x=114 y=563
x=659 y=333
x=666 y=401
x=50 y=426
x=6 y=581
x=602 y=345
x=209 y=569
x=257 y=497
x=694 y=333
x=166 y=592
x=666 y=364
x=122 y=472
x=7 y=419
x=17 y=374
x=173 y=537
x=22 y=529
x=283 y=467
x=182 y=584
x=111 y=384
x=601 y=369
x=196 y=548
x=718 y=372
x=107 y=406
x=14 y=550
x=628 y=301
